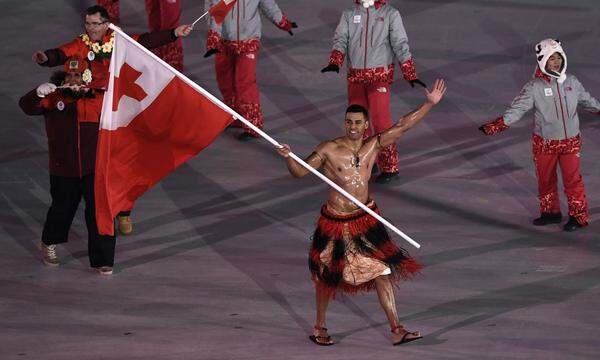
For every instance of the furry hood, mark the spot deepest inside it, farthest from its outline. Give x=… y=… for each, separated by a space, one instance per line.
x=543 y=50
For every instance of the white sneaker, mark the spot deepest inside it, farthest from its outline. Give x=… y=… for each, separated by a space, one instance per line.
x=104 y=270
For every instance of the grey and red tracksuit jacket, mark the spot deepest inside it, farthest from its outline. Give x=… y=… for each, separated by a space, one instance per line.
x=240 y=32
x=370 y=40
x=556 y=122
x=72 y=130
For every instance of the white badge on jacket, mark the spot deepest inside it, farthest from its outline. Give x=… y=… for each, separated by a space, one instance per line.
x=548 y=91
x=357 y=19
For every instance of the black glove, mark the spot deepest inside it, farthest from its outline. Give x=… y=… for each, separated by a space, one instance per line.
x=417 y=81
x=331 y=67
x=294 y=26
x=211 y=52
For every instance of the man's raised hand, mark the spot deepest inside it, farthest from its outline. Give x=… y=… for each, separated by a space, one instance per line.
x=439 y=89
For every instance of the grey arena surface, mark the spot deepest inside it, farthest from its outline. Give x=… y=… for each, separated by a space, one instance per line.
x=217 y=266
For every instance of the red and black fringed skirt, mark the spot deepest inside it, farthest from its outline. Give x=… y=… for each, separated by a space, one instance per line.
x=349 y=251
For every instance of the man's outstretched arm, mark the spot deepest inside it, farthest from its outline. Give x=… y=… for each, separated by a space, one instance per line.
x=409 y=120
x=315 y=160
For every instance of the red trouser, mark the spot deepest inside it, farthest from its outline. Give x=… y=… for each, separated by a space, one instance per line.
x=236 y=77
x=163 y=15
x=546 y=163
x=375 y=97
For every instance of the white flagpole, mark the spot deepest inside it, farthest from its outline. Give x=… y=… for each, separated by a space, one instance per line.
x=266 y=137
x=198 y=19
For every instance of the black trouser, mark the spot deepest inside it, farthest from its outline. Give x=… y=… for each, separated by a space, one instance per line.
x=66 y=194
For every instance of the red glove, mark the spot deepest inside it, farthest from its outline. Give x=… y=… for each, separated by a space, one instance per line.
x=494 y=127
x=286 y=25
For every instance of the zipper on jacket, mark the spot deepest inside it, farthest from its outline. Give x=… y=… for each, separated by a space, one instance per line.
x=362 y=31
x=562 y=113
x=366 y=39
x=373 y=32
x=567 y=108
x=238 y=21
x=556 y=108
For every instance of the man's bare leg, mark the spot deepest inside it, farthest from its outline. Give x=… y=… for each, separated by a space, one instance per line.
x=385 y=292
x=320 y=335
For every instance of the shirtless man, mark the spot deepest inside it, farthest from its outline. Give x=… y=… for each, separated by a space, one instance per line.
x=351 y=251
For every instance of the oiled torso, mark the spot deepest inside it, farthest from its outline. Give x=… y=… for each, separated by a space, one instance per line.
x=349 y=169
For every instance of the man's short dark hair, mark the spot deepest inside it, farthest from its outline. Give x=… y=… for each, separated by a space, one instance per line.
x=98 y=9
x=355 y=108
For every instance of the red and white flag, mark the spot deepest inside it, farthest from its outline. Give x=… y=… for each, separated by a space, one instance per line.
x=220 y=10
x=153 y=120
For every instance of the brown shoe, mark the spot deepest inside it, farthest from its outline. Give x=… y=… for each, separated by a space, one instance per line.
x=49 y=256
x=104 y=270
x=125 y=225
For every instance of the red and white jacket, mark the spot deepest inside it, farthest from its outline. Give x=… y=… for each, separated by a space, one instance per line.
x=370 y=39
x=555 y=105
x=241 y=30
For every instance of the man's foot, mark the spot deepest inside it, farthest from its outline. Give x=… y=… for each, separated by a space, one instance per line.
x=321 y=337
x=386 y=177
x=402 y=336
x=245 y=137
x=104 y=270
x=49 y=256
x=548 y=218
x=573 y=224
x=125 y=225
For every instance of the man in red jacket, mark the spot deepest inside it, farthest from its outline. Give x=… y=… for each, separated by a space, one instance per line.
x=72 y=112
x=95 y=45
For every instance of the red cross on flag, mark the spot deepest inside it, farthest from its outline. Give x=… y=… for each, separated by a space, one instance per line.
x=153 y=120
x=220 y=10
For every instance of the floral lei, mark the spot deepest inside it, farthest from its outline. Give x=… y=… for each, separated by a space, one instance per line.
x=100 y=51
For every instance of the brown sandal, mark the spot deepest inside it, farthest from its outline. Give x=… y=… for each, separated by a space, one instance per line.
x=321 y=340
x=404 y=339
